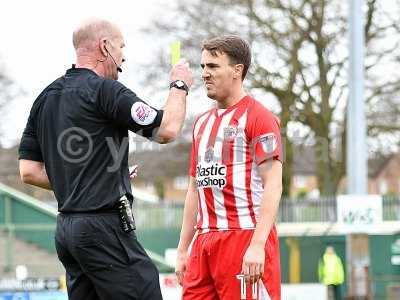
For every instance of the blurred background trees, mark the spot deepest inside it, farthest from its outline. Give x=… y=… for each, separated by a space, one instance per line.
x=300 y=60
x=8 y=91
x=299 y=71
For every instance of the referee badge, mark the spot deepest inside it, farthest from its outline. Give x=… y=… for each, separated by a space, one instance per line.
x=142 y=113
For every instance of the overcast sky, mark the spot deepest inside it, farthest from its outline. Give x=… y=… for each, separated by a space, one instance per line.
x=36 y=45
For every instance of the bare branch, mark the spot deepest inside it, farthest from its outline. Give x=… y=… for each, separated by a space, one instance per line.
x=299 y=57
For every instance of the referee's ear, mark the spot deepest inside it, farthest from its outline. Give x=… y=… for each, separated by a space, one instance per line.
x=103 y=47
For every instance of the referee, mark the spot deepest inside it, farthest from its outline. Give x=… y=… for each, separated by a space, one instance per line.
x=76 y=144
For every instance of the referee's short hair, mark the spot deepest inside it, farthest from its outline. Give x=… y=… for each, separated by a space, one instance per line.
x=236 y=48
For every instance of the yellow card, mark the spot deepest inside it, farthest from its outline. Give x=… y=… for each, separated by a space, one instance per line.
x=175 y=52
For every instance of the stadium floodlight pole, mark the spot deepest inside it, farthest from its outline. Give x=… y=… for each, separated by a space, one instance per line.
x=356 y=124
x=356 y=134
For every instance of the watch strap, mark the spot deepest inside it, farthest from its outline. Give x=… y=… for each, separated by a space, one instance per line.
x=183 y=86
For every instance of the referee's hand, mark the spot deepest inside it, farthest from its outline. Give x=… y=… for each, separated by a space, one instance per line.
x=133 y=171
x=180 y=266
x=181 y=71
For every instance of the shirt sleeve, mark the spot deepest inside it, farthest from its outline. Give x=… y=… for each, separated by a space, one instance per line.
x=123 y=107
x=265 y=137
x=29 y=147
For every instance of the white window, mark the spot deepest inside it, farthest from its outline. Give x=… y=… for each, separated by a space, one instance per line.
x=149 y=186
x=300 y=181
x=181 y=182
x=383 y=187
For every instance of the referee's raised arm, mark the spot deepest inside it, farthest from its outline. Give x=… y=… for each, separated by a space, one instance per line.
x=174 y=110
x=124 y=108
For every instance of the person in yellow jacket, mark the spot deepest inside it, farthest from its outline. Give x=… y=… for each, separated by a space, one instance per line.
x=330 y=271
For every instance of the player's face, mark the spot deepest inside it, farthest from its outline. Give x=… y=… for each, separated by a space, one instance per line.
x=218 y=75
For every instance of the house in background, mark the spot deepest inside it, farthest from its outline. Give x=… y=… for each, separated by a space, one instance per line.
x=383 y=175
x=163 y=172
x=385 y=178
x=304 y=182
x=169 y=168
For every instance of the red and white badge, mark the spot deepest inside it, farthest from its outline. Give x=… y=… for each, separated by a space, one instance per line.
x=142 y=113
x=230 y=132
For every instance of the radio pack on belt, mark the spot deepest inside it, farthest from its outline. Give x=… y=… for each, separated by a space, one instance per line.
x=125 y=215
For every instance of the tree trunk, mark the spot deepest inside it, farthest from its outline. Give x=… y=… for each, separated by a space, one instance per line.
x=287 y=151
x=287 y=166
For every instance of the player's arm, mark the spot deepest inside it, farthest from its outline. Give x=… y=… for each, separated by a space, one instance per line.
x=188 y=229
x=34 y=173
x=253 y=261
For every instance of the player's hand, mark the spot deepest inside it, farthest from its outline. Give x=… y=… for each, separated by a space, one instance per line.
x=253 y=263
x=180 y=266
x=181 y=71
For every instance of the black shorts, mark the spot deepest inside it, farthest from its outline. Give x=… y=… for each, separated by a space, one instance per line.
x=103 y=262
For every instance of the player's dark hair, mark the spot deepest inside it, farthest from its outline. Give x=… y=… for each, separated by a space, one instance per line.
x=237 y=49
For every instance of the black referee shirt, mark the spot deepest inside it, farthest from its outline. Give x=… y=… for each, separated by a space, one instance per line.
x=78 y=126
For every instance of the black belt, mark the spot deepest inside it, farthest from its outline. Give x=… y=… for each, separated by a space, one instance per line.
x=113 y=210
x=123 y=209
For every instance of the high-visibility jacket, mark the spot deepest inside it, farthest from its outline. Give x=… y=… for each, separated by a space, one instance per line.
x=330 y=270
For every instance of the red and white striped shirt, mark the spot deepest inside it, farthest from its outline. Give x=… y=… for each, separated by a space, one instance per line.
x=227 y=147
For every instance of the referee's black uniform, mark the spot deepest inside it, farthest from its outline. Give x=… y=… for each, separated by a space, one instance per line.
x=78 y=126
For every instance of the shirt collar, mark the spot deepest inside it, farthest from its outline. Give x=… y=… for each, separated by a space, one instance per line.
x=75 y=70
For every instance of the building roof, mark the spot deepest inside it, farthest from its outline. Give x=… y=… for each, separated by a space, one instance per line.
x=9 y=161
x=171 y=161
x=303 y=160
x=378 y=163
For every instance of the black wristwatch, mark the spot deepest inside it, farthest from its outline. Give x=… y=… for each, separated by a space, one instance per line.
x=179 y=84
